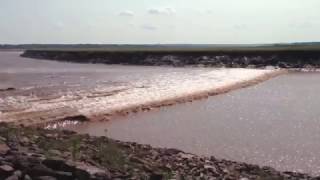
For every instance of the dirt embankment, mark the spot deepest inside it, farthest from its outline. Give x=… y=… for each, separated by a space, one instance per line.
x=283 y=59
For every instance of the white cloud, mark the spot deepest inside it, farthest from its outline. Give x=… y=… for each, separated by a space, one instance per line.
x=302 y=25
x=209 y=11
x=162 y=11
x=59 y=25
x=149 y=27
x=126 y=13
x=240 y=27
x=154 y=11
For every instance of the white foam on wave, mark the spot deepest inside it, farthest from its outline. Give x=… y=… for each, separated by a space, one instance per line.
x=147 y=89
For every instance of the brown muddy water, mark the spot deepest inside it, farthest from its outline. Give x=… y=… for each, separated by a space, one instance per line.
x=27 y=73
x=39 y=91
x=276 y=123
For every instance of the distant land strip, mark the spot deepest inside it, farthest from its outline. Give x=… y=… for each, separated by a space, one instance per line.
x=297 y=56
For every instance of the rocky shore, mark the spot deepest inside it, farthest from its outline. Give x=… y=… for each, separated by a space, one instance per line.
x=35 y=153
x=241 y=58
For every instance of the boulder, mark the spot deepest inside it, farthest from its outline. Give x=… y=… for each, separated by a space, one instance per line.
x=27 y=177
x=8 y=89
x=84 y=170
x=6 y=169
x=156 y=177
x=4 y=149
x=171 y=151
x=58 y=165
x=13 y=177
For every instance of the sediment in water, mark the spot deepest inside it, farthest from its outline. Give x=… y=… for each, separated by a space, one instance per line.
x=30 y=147
x=183 y=98
x=159 y=94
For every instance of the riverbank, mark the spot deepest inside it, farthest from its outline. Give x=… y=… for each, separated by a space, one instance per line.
x=27 y=152
x=236 y=58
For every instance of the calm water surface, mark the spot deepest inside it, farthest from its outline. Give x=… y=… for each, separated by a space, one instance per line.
x=276 y=123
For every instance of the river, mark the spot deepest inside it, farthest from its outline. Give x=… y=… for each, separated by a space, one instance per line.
x=276 y=123
x=38 y=91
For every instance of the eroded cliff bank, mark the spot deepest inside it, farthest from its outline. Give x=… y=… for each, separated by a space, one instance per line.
x=239 y=58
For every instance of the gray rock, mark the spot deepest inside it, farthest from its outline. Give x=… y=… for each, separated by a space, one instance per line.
x=156 y=176
x=18 y=173
x=2 y=139
x=91 y=170
x=58 y=165
x=45 y=178
x=6 y=169
x=25 y=140
x=283 y=65
x=186 y=156
x=171 y=151
x=8 y=89
x=103 y=175
x=81 y=174
x=13 y=177
x=54 y=152
x=244 y=178
x=3 y=149
x=27 y=177
x=40 y=170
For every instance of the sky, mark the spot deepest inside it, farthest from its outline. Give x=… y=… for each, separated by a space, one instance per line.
x=159 y=21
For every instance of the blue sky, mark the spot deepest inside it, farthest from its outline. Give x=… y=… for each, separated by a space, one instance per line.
x=159 y=21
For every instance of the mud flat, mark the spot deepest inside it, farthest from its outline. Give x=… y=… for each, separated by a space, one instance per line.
x=47 y=91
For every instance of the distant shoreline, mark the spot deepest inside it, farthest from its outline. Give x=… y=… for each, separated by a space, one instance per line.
x=240 y=57
x=11 y=50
